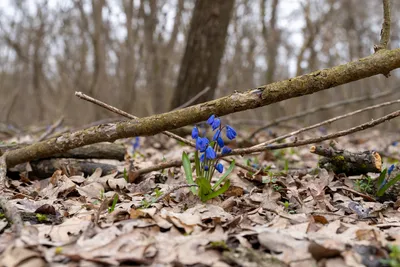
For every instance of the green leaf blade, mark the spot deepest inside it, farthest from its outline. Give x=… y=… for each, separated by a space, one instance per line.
x=188 y=171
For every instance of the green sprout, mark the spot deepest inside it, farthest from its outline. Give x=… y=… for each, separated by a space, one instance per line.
x=115 y=200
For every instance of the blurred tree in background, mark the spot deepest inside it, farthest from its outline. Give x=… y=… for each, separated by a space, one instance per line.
x=147 y=56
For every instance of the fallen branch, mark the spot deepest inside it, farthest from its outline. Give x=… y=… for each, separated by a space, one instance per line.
x=378 y=63
x=9 y=210
x=349 y=163
x=321 y=108
x=244 y=151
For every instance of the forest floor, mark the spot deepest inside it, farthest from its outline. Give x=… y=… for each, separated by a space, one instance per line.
x=296 y=215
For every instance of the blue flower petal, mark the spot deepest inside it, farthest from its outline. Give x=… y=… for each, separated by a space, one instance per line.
x=195 y=132
x=202 y=143
x=390 y=169
x=219 y=167
x=230 y=132
x=210 y=153
x=220 y=142
x=202 y=157
x=226 y=150
x=211 y=119
x=206 y=168
x=216 y=135
x=216 y=123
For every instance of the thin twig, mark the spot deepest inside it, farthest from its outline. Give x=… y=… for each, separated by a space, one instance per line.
x=358 y=128
x=321 y=108
x=51 y=129
x=202 y=92
x=357 y=193
x=326 y=122
x=173 y=189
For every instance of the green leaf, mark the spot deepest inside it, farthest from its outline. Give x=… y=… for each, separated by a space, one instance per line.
x=387 y=185
x=204 y=187
x=115 y=200
x=197 y=163
x=227 y=172
x=188 y=171
x=220 y=191
x=286 y=169
x=381 y=178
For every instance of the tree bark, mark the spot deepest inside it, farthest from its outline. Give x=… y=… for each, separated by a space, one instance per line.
x=204 y=50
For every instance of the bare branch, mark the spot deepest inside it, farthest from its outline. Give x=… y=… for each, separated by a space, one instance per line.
x=202 y=92
x=51 y=129
x=326 y=122
x=320 y=108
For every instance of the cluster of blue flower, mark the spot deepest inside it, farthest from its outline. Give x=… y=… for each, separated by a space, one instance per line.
x=209 y=150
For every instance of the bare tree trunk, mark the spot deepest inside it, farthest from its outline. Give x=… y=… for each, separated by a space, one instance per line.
x=128 y=71
x=271 y=37
x=99 y=50
x=204 y=50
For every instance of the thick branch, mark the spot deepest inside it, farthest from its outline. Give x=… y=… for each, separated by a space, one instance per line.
x=382 y=62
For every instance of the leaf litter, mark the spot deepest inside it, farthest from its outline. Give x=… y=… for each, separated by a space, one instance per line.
x=289 y=217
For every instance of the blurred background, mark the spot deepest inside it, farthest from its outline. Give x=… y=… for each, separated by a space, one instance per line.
x=150 y=56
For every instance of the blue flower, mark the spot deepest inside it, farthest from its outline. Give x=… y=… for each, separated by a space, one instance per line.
x=219 y=167
x=195 y=132
x=216 y=135
x=211 y=120
x=136 y=143
x=206 y=168
x=230 y=132
x=226 y=150
x=216 y=123
x=202 y=143
x=394 y=143
x=202 y=158
x=210 y=153
x=390 y=169
x=220 y=142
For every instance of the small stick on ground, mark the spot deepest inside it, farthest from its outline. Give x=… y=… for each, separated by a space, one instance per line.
x=366 y=197
x=321 y=108
x=168 y=192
